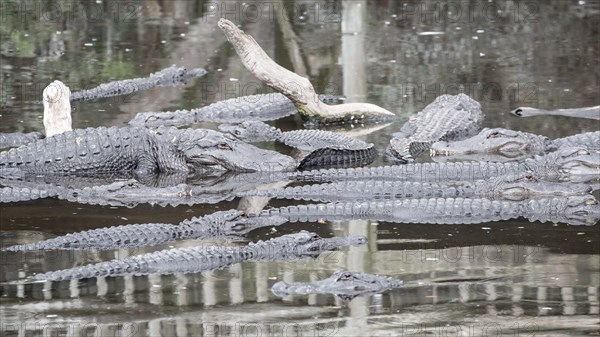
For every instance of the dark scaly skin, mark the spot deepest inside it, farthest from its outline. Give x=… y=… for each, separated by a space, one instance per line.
x=95 y=151
x=338 y=158
x=221 y=224
x=192 y=260
x=343 y=283
x=447 y=118
x=263 y=107
x=171 y=76
x=16 y=139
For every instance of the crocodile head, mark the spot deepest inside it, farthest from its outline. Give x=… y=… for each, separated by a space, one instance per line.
x=525 y=187
x=344 y=284
x=308 y=244
x=236 y=223
x=494 y=145
x=251 y=131
x=577 y=210
x=574 y=164
x=213 y=148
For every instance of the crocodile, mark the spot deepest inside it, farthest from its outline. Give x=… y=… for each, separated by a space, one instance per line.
x=262 y=107
x=295 y=87
x=343 y=283
x=170 y=76
x=448 y=117
x=576 y=210
x=508 y=188
x=221 y=224
x=318 y=148
x=499 y=144
x=16 y=139
x=592 y=112
x=197 y=259
x=124 y=193
x=162 y=190
x=138 y=150
x=566 y=164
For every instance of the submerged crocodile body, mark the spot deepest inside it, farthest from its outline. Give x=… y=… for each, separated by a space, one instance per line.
x=592 y=112
x=262 y=107
x=507 y=145
x=576 y=210
x=579 y=209
x=197 y=259
x=170 y=76
x=447 y=118
x=162 y=190
x=16 y=139
x=138 y=150
x=127 y=193
x=344 y=284
x=222 y=224
x=319 y=148
x=566 y=164
x=507 y=188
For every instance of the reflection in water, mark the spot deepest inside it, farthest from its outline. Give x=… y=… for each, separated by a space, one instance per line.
x=447 y=285
x=512 y=277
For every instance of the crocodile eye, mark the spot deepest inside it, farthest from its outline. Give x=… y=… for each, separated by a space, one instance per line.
x=224 y=146
x=238 y=227
x=494 y=134
x=237 y=132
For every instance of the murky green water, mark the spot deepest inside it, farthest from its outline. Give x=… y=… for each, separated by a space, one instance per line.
x=518 y=278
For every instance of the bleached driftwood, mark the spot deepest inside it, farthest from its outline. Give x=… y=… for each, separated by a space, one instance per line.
x=57 y=108
x=297 y=88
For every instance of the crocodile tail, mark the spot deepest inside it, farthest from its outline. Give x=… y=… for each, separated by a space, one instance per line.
x=184 y=260
x=405 y=150
x=113 y=237
x=13 y=194
x=110 y=268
